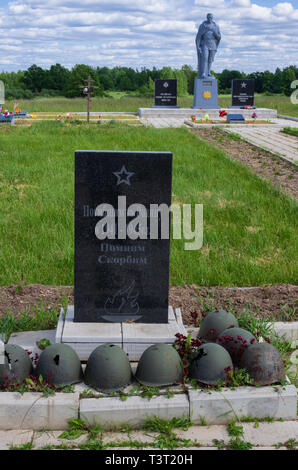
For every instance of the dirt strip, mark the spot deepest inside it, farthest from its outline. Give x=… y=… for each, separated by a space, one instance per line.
x=277 y=302
x=283 y=175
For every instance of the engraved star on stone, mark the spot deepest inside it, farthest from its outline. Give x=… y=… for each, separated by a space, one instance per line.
x=123 y=176
x=243 y=85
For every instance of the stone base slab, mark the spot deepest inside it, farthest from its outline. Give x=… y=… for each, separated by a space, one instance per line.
x=133 y=338
x=186 y=113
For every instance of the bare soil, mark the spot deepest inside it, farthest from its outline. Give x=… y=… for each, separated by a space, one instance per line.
x=283 y=175
x=277 y=302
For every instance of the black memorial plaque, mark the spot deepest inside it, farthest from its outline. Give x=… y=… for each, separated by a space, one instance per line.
x=165 y=92
x=243 y=92
x=120 y=278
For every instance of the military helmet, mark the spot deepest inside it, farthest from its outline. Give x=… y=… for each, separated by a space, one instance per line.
x=216 y=322
x=59 y=364
x=108 y=368
x=210 y=363
x=236 y=341
x=17 y=364
x=159 y=365
x=264 y=364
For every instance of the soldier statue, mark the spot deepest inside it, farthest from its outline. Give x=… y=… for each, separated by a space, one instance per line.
x=207 y=41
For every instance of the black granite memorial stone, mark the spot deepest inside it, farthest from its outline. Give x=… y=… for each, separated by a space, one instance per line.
x=243 y=92
x=165 y=92
x=124 y=277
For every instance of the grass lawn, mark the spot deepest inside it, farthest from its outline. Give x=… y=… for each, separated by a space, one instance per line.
x=291 y=131
x=249 y=227
x=122 y=102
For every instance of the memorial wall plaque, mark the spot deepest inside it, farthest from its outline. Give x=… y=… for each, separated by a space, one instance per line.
x=165 y=92
x=243 y=92
x=121 y=269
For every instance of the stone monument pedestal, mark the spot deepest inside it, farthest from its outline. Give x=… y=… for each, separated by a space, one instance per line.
x=132 y=337
x=205 y=93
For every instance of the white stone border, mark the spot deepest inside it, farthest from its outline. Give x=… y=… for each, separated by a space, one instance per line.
x=36 y=412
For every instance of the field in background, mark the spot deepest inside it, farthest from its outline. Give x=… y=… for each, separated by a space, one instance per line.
x=249 y=227
x=130 y=103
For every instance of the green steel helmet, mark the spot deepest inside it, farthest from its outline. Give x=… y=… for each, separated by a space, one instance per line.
x=210 y=363
x=59 y=364
x=236 y=341
x=108 y=368
x=17 y=364
x=264 y=364
x=216 y=322
x=159 y=365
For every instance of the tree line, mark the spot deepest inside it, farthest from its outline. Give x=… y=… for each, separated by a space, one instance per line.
x=60 y=81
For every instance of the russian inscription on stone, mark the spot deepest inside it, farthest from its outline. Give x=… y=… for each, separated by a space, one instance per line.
x=243 y=92
x=165 y=92
x=121 y=250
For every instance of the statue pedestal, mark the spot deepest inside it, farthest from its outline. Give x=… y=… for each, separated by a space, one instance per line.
x=205 y=93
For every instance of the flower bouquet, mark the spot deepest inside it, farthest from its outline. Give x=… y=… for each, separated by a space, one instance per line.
x=6 y=116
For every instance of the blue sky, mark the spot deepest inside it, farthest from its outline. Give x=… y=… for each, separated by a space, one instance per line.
x=256 y=34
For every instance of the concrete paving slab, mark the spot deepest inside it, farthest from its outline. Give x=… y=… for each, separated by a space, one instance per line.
x=204 y=434
x=265 y=434
x=28 y=339
x=270 y=139
x=286 y=330
x=140 y=436
x=15 y=438
x=268 y=448
x=46 y=438
x=268 y=434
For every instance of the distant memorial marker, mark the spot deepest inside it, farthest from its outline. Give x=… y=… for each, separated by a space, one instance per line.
x=119 y=278
x=165 y=92
x=243 y=92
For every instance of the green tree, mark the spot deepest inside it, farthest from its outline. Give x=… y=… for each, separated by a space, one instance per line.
x=225 y=79
x=57 y=77
x=190 y=76
x=78 y=76
x=288 y=76
x=35 y=78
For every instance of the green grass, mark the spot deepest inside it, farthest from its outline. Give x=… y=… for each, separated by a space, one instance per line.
x=249 y=227
x=131 y=103
x=291 y=131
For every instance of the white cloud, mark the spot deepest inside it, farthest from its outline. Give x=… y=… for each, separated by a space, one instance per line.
x=150 y=33
x=283 y=9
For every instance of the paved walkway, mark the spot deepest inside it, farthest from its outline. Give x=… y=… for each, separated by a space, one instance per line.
x=261 y=436
x=270 y=138
x=267 y=137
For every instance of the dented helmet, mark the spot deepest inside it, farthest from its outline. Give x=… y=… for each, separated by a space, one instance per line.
x=17 y=364
x=236 y=341
x=59 y=364
x=210 y=364
x=264 y=364
x=108 y=368
x=216 y=322
x=160 y=365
